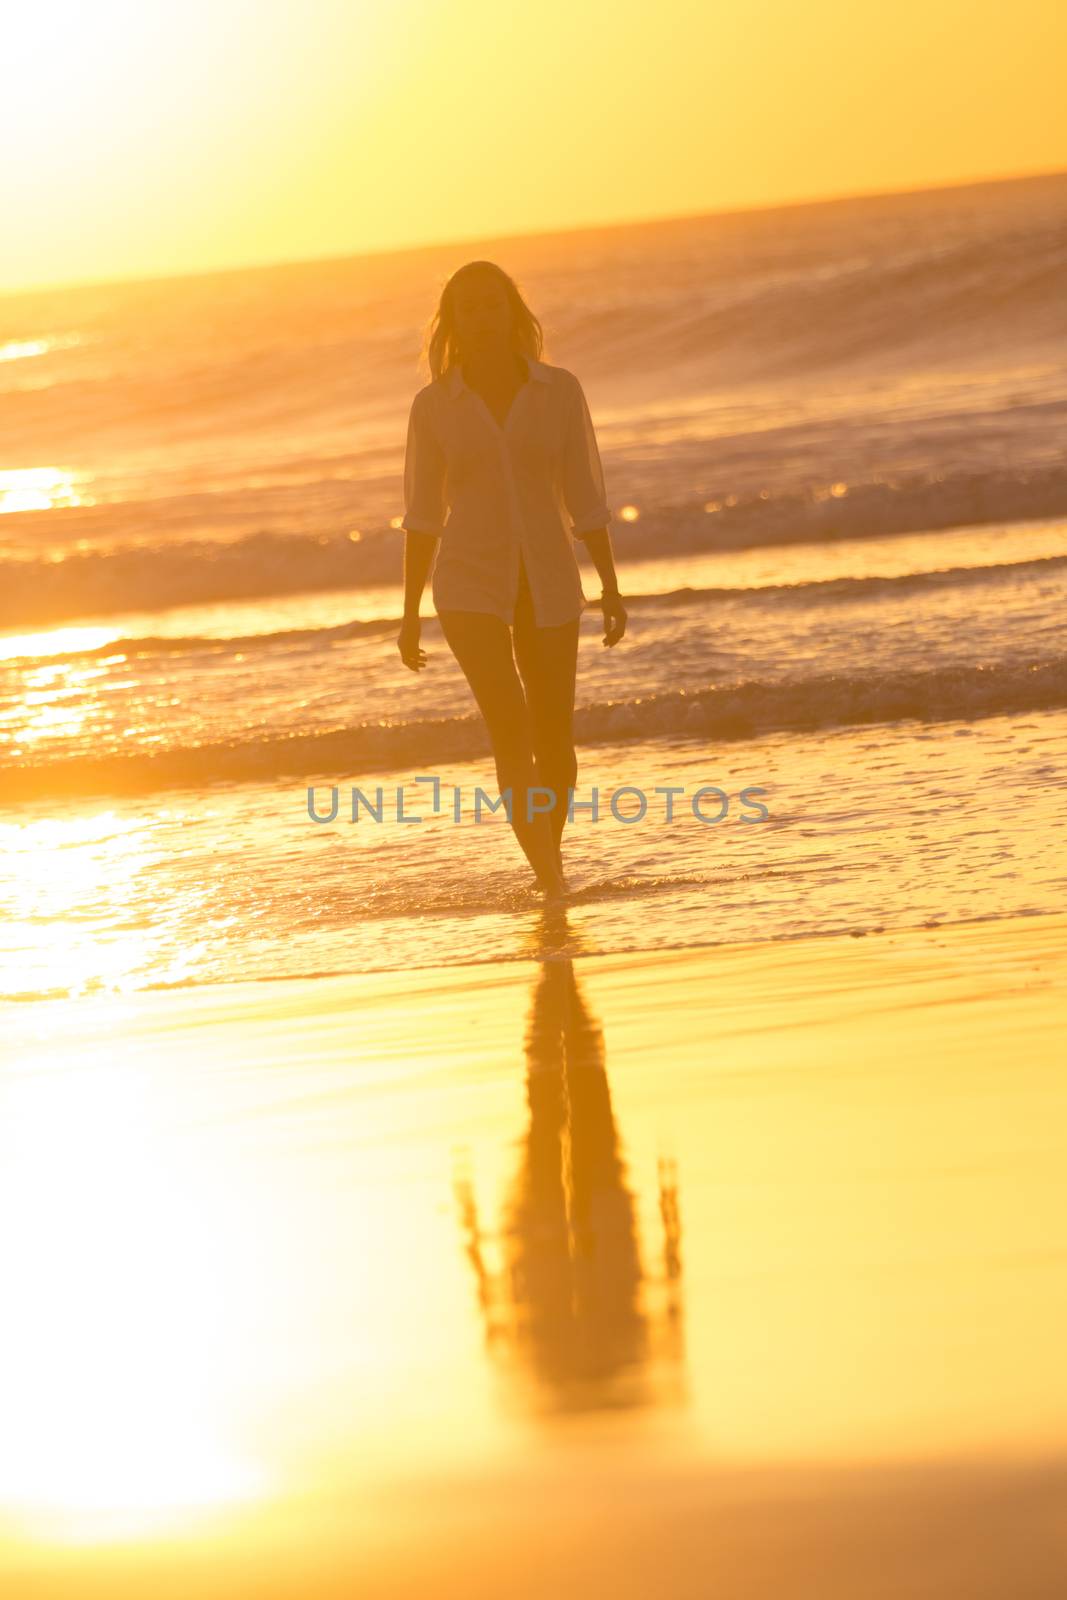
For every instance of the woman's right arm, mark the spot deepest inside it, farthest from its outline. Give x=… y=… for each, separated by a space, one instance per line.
x=426 y=507
x=418 y=553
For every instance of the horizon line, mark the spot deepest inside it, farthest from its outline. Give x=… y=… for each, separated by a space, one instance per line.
x=413 y=248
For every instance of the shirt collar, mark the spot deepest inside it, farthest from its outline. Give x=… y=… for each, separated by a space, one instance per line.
x=539 y=373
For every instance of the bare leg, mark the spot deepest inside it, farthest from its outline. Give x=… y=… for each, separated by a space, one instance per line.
x=547 y=660
x=482 y=646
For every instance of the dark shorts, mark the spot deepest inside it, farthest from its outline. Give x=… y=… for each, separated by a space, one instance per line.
x=523 y=598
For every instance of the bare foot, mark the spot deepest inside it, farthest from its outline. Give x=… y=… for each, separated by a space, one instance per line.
x=553 y=886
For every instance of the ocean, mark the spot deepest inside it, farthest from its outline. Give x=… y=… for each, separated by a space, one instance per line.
x=833 y=438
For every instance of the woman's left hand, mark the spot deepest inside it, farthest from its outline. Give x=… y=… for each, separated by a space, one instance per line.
x=614 y=618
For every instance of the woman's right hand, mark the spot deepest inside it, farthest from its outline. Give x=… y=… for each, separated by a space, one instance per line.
x=407 y=642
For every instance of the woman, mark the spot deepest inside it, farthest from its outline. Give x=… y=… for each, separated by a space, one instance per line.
x=502 y=473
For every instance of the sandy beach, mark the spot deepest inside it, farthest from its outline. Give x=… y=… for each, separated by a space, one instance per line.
x=738 y=1271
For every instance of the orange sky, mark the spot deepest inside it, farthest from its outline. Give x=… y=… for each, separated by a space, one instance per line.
x=144 y=138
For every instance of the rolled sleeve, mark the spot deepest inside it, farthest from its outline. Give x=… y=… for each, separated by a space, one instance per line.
x=425 y=485
x=584 y=493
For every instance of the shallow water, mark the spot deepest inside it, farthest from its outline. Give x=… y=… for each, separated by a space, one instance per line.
x=872 y=827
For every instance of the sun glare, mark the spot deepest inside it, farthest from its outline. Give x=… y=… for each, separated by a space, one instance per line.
x=40 y=489
x=116 y=1364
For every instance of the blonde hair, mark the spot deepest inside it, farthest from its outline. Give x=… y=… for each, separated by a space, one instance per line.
x=440 y=347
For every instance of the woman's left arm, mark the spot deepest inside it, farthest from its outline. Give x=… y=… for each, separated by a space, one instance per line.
x=584 y=494
x=598 y=543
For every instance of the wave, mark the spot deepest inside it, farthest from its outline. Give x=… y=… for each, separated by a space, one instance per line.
x=816 y=590
x=58 y=586
x=51 y=587
x=849 y=589
x=913 y=503
x=884 y=299
x=158 y=644
x=729 y=712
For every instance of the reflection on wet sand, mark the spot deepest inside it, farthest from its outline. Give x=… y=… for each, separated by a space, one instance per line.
x=242 y=1354
x=570 y=1309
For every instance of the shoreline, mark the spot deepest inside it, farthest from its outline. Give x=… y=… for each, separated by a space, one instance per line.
x=520 y=965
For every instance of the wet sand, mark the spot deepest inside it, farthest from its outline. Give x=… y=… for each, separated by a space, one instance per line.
x=738 y=1271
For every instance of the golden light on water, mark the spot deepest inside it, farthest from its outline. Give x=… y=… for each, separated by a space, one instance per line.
x=26 y=349
x=41 y=489
x=55 y=642
x=69 y=876
x=54 y=702
x=20 y=350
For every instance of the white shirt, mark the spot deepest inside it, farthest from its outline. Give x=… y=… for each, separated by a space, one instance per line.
x=488 y=492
